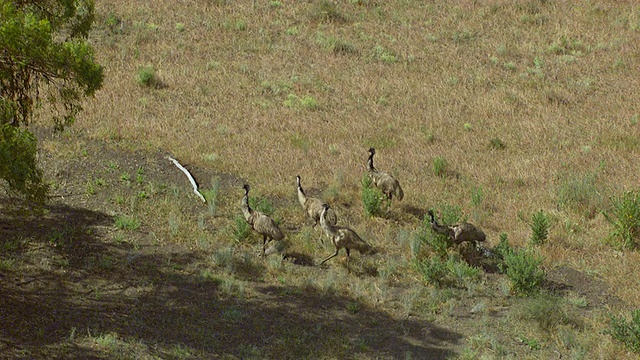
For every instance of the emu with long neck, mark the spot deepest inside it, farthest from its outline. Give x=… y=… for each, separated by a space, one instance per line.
x=342 y=237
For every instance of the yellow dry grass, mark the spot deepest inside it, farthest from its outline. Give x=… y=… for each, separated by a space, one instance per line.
x=557 y=82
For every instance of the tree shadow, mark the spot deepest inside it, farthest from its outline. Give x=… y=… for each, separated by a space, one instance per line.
x=154 y=303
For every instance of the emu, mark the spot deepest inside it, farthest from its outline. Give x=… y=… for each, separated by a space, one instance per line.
x=342 y=237
x=458 y=233
x=259 y=222
x=313 y=207
x=385 y=182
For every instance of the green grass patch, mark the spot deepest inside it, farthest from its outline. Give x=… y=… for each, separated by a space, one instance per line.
x=624 y=216
x=124 y=222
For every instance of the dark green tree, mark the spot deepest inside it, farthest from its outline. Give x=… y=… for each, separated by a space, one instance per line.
x=45 y=59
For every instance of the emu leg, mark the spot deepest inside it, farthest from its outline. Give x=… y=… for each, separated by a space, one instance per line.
x=265 y=241
x=348 y=258
x=334 y=255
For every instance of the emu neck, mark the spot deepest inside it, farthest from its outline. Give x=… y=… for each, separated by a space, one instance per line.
x=328 y=229
x=302 y=198
x=370 y=166
x=246 y=210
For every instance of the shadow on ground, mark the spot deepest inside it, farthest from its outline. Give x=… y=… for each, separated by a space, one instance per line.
x=150 y=302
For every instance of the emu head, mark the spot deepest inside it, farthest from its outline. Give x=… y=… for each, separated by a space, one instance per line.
x=372 y=151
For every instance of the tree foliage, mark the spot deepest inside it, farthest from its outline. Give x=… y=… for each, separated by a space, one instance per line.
x=45 y=58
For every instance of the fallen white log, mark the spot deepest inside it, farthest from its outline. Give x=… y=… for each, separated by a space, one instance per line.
x=186 y=172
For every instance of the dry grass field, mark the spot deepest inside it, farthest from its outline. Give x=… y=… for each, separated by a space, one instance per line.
x=495 y=109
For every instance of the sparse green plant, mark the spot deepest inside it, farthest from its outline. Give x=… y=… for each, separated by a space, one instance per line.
x=13 y=244
x=327 y=11
x=300 y=142
x=384 y=55
x=354 y=307
x=236 y=25
x=547 y=310
x=241 y=229
x=223 y=257
x=262 y=204
x=497 y=144
x=580 y=193
x=140 y=175
x=511 y=66
x=627 y=331
x=146 y=76
x=452 y=271
x=523 y=269
x=305 y=102
x=568 y=46
x=467 y=127
x=437 y=243
x=477 y=196
x=371 y=196
x=433 y=270
x=124 y=222
x=211 y=195
x=539 y=227
x=533 y=344
x=342 y=47
x=7 y=264
x=125 y=177
x=440 y=166
x=90 y=188
x=624 y=216
x=180 y=27
x=503 y=246
x=60 y=237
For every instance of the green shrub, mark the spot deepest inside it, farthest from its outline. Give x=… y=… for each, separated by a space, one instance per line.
x=241 y=229
x=626 y=331
x=127 y=223
x=261 y=204
x=497 y=144
x=440 y=166
x=539 y=227
x=439 y=272
x=523 y=269
x=438 y=243
x=503 y=246
x=625 y=218
x=371 y=196
x=433 y=270
x=146 y=76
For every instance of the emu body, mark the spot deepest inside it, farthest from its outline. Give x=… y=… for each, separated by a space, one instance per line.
x=313 y=207
x=342 y=237
x=389 y=185
x=457 y=233
x=259 y=222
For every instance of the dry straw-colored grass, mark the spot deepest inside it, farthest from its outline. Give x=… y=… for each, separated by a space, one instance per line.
x=557 y=82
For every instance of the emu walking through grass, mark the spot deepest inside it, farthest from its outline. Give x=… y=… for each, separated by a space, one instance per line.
x=259 y=222
x=313 y=207
x=383 y=181
x=343 y=237
x=457 y=233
